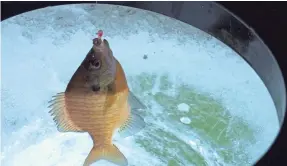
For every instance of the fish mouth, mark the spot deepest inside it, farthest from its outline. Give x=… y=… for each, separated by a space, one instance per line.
x=97 y=41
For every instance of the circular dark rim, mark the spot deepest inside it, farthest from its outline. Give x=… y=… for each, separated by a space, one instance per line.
x=216 y=20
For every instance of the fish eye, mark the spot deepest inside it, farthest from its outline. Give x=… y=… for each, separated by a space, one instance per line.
x=96 y=64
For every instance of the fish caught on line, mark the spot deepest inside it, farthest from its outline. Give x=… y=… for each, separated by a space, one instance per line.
x=97 y=100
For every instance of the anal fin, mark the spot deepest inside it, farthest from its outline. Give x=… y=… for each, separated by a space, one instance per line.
x=133 y=125
x=134 y=102
x=60 y=115
x=111 y=154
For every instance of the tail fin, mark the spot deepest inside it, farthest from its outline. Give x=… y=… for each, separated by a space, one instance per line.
x=111 y=154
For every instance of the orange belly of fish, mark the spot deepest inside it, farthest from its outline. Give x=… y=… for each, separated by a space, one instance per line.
x=91 y=114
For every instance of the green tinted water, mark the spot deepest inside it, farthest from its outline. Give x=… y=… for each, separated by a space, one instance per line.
x=228 y=135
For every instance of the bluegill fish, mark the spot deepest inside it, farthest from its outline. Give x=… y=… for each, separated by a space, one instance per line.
x=97 y=100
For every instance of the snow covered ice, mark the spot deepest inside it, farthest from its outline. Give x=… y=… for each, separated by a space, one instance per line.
x=42 y=49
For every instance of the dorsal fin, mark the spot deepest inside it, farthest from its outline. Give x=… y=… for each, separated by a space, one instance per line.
x=60 y=115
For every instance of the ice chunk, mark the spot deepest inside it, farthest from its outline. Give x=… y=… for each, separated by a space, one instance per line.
x=185 y=120
x=183 y=107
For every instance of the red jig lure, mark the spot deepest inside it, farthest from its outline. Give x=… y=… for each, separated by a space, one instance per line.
x=98 y=40
x=100 y=34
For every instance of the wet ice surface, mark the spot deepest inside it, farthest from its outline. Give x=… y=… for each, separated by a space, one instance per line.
x=42 y=49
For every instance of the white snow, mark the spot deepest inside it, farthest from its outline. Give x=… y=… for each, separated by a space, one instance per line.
x=185 y=120
x=192 y=143
x=41 y=51
x=183 y=107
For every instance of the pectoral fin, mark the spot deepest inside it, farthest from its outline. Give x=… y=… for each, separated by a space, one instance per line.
x=134 y=102
x=133 y=125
